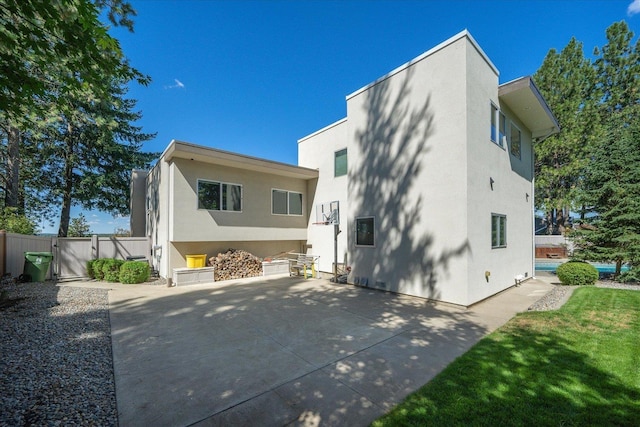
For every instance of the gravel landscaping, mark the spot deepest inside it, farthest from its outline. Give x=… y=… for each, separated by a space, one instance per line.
x=56 y=365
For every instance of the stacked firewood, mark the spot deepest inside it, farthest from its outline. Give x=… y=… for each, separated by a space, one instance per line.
x=235 y=264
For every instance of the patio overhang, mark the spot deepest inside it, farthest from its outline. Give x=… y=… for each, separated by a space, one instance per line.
x=188 y=151
x=525 y=100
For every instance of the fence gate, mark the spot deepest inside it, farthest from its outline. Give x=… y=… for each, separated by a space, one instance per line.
x=72 y=255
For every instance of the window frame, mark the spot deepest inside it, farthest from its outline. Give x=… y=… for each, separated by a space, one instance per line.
x=288 y=193
x=519 y=132
x=335 y=160
x=373 y=232
x=499 y=120
x=494 y=123
x=500 y=233
x=221 y=202
x=502 y=133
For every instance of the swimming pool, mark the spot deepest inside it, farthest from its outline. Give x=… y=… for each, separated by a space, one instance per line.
x=601 y=267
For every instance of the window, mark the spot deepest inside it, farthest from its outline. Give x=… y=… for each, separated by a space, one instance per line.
x=494 y=126
x=516 y=138
x=502 y=129
x=219 y=196
x=286 y=202
x=340 y=164
x=498 y=126
x=365 y=231
x=498 y=231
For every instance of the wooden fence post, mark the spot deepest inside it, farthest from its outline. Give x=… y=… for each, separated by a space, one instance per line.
x=95 y=247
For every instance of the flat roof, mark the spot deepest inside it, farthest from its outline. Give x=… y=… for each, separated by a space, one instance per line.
x=186 y=150
x=525 y=101
x=463 y=34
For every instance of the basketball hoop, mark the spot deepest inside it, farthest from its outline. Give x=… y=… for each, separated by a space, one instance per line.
x=328 y=213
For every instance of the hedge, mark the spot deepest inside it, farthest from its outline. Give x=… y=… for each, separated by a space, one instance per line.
x=117 y=270
x=134 y=272
x=574 y=273
x=97 y=268
x=111 y=269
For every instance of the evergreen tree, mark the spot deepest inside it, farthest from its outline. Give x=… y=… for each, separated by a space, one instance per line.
x=567 y=81
x=79 y=227
x=612 y=182
x=86 y=156
x=67 y=134
x=613 y=187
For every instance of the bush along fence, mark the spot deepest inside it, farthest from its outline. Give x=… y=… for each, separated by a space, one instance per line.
x=70 y=254
x=117 y=270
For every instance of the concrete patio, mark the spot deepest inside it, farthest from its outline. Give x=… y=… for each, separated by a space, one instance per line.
x=285 y=351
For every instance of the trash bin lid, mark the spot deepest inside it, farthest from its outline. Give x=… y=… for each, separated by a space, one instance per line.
x=38 y=255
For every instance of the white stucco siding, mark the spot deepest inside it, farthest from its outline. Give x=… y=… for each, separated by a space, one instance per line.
x=158 y=207
x=317 y=151
x=513 y=197
x=489 y=163
x=254 y=222
x=407 y=145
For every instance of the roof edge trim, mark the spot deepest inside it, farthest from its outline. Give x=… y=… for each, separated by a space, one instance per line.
x=324 y=129
x=464 y=33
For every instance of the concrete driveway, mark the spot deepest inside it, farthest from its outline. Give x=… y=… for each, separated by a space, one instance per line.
x=285 y=351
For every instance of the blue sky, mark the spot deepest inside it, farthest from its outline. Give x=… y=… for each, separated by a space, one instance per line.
x=253 y=77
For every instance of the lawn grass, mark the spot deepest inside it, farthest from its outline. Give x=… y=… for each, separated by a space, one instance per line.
x=577 y=366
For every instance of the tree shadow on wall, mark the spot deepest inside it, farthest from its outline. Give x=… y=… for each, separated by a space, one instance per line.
x=385 y=184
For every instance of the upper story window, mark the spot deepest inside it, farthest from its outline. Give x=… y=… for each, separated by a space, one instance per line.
x=494 y=123
x=219 y=196
x=516 y=141
x=502 y=128
x=286 y=202
x=340 y=162
x=498 y=125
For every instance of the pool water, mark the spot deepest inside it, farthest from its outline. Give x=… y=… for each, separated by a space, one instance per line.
x=601 y=267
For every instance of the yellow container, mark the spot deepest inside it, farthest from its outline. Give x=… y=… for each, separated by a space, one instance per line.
x=196 y=261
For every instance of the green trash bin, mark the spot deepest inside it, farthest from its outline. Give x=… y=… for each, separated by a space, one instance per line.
x=36 y=265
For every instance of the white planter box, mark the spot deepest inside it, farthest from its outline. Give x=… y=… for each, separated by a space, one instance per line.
x=192 y=276
x=271 y=268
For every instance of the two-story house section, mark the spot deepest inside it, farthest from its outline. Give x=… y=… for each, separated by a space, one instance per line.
x=201 y=200
x=433 y=169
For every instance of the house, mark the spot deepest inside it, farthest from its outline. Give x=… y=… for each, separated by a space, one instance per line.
x=200 y=200
x=432 y=169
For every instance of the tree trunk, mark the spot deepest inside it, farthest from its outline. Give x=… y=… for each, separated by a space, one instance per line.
x=65 y=213
x=13 y=169
x=618 y=268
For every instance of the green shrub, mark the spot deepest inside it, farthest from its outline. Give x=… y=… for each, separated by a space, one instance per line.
x=90 y=271
x=97 y=268
x=111 y=269
x=574 y=273
x=134 y=272
x=630 y=276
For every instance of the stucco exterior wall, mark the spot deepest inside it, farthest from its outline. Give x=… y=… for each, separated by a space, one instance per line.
x=407 y=144
x=255 y=222
x=138 y=202
x=159 y=212
x=317 y=151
